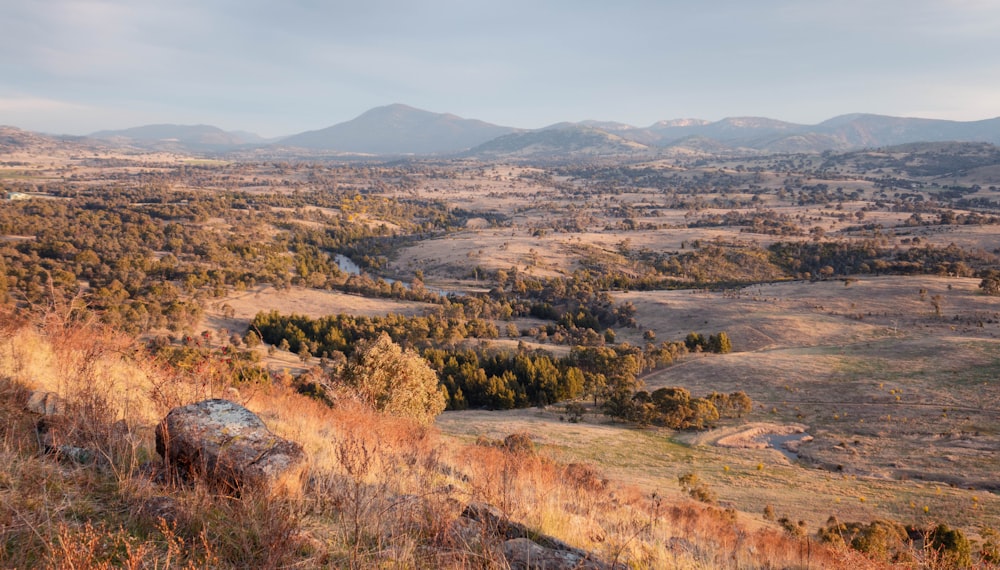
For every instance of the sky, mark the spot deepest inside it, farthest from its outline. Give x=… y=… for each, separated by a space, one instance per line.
x=278 y=67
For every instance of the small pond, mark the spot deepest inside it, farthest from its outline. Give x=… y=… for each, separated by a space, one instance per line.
x=780 y=441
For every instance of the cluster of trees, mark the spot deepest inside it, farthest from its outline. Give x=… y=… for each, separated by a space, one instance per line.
x=991 y=282
x=825 y=259
x=324 y=336
x=717 y=343
x=484 y=377
x=505 y=379
x=675 y=408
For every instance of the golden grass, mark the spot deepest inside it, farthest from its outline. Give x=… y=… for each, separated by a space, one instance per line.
x=378 y=492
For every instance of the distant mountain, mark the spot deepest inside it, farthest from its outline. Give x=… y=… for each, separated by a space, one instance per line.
x=847 y=132
x=399 y=129
x=563 y=142
x=732 y=131
x=860 y=130
x=402 y=130
x=180 y=138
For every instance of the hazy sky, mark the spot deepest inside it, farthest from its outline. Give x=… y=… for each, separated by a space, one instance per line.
x=282 y=66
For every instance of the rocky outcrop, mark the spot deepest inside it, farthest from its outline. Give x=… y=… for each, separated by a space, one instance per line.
x=54 y=430
x=228 y=446
x=523 y=548
x=45 y=403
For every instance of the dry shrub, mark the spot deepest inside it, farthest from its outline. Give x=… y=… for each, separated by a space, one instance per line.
x=99 y=548
x=585 y=477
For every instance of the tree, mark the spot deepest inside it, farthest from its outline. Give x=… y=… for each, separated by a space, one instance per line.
x=394 y=381
x=252 y=339
x=695 y=342
x=991 y=283
x=720 y=343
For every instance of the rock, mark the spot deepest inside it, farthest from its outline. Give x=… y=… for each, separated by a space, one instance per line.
x=526 y=549
x=526 y=554
x=45 y=403
x=52 y=431
x=55 y=430
x=229 y=447
x=74 y=454
x=465 y=534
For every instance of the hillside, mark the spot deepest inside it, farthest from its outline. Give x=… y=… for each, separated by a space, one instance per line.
x=378 y=491
x=564 y=143
x=14 y=140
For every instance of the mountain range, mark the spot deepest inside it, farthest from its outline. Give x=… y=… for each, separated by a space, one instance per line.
x=395 y=130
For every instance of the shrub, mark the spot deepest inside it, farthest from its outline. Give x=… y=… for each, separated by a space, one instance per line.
x=519 y=443
x=950 y=546
x=696 y=488
x=394 y=381
x=883 y=540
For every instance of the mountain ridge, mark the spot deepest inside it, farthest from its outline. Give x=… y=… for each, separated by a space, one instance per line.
x=401 y=130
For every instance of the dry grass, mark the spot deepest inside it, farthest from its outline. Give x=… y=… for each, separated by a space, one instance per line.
x=380 y=493
x=872 y=390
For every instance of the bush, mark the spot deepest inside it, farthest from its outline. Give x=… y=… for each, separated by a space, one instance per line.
x=696 y=488
x=950 y=547
x=883 y=540
x=519 y=443
x=394 y=381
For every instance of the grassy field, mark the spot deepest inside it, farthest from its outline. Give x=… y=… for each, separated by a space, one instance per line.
x=902 y=405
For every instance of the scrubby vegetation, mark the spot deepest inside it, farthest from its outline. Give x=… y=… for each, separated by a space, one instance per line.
x=381 y=491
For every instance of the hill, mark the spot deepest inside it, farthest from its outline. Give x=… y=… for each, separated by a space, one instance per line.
x=15 y=140
x=399 y=129
x=861 y=130
x=561 y=142
x=170 y=137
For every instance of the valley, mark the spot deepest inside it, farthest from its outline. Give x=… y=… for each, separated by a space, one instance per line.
x=853 y=288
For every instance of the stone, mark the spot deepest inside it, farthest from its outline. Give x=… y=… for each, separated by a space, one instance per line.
x=45 y=403
x=465 y=534
x=229 y=447
x=526 y=549
x=526 y=554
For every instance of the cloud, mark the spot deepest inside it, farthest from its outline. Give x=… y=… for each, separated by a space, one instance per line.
x=300 y=64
